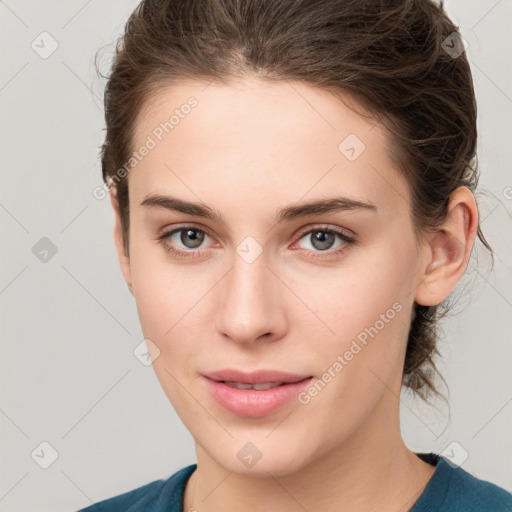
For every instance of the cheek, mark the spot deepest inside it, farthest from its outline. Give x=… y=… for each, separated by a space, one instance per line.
x=176 y=304
x=353 y=296
x=165 y=294
x=365 y=307
x=363 y=360
x=169 y=303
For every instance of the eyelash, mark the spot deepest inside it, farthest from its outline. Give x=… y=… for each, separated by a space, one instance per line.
x=190 y=254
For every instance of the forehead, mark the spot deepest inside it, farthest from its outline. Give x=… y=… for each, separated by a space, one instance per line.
x=228 y=113
x=288 y=137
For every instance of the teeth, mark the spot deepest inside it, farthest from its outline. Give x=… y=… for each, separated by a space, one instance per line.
x=258 y=387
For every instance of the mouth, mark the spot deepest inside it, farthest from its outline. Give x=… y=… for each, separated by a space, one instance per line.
x=258 y=379
x=258 y=387
x=255 y=399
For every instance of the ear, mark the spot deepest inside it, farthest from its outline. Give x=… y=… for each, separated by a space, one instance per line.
x=447 y=250
x=124 y=259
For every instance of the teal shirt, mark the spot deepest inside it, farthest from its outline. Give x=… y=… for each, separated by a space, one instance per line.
x=450 y=489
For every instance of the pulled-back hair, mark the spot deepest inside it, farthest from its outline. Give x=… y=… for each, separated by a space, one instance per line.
x=392 y=56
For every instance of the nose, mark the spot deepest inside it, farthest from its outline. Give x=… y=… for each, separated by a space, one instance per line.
x=254 y=307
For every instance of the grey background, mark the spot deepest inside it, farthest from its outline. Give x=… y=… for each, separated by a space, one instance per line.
x=69 y=325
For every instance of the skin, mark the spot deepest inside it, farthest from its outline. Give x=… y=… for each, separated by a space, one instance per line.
x=248 y=149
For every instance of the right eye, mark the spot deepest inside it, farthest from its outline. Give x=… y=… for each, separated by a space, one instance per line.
x=190 y=238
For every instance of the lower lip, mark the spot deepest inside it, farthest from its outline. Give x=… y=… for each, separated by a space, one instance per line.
x=252 y=402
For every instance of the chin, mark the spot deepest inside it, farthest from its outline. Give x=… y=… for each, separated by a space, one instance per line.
x=277 y=462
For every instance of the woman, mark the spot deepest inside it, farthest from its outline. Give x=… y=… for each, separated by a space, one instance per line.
x=293 y=188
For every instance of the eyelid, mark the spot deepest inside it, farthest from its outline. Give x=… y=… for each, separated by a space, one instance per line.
x=327 y=227
x=168 y=231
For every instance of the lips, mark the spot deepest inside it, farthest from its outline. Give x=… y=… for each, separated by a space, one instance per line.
x=274 y=377
x=250 y=401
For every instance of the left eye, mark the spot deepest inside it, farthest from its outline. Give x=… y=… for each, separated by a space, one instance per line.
x=322 y=239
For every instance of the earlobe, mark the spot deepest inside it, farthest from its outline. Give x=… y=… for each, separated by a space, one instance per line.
x=447 y=251
x=124 y=259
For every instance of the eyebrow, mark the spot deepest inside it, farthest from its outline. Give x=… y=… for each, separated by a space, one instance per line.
x=288 y=213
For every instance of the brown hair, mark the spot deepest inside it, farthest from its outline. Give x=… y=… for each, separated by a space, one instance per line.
x=388 y=54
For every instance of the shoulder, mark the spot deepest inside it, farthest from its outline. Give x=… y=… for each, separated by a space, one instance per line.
x=477 y=494
x=156 y=496
x=133 y=500
x=453 y=489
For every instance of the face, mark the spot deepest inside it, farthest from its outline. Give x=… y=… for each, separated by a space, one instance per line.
x=263 y=282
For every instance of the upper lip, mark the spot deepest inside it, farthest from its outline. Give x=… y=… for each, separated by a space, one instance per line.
x=255 y=377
